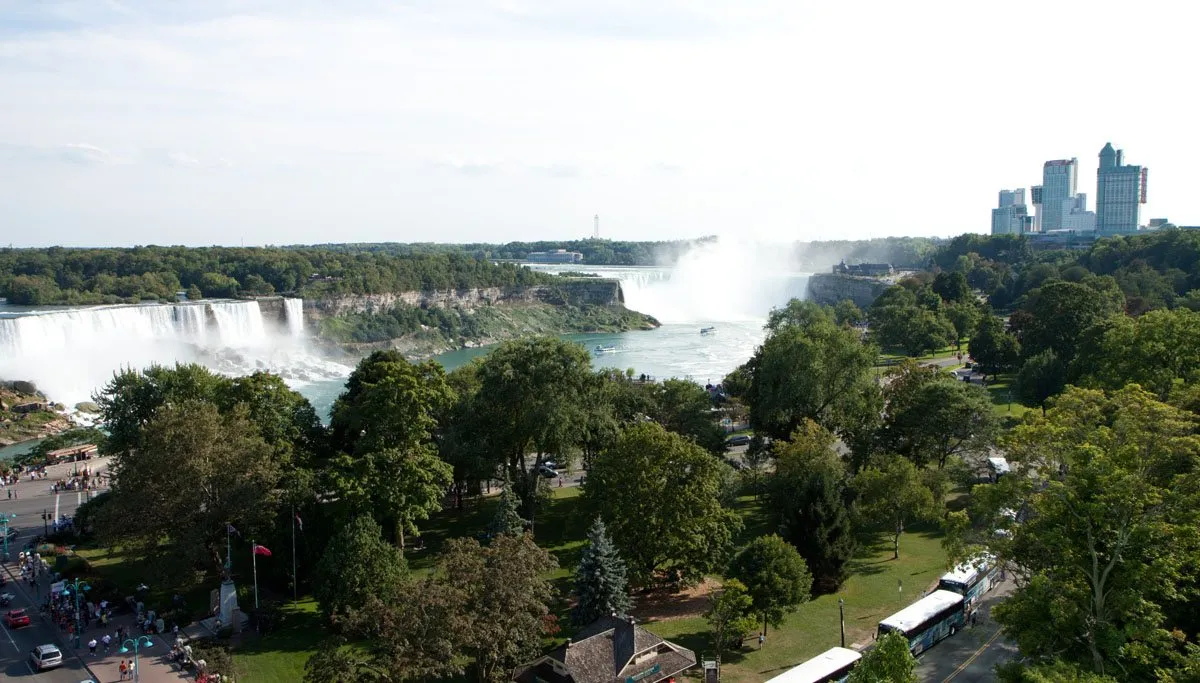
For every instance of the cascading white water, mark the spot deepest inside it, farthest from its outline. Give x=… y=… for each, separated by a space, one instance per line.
x=293 y=310
x=70 y=353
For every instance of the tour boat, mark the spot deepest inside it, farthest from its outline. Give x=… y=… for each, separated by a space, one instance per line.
x=707 y=330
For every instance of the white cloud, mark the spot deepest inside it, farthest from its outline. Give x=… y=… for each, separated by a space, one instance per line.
x=459 y=119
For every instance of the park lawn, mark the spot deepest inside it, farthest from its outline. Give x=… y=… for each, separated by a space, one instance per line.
x=1004 y=403
x=870 y=594
x=279 y=656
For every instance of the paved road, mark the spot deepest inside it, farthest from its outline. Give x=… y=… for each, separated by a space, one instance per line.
x=32 y=499
x=972 y=655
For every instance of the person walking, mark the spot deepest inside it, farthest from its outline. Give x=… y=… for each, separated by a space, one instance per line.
x=107 y=642
x=124 y=669
x=92 y=647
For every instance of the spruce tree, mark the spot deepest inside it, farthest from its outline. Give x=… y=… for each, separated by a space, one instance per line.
x=508 y=518
x=817 y=523
x=600 y=585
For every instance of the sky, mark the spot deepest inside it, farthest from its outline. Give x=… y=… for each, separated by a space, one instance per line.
x=257 y=122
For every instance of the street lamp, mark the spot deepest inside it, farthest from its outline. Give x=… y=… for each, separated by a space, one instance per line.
x=137 y=644
x=4 y=517
x=842 y=614
x=77 y=587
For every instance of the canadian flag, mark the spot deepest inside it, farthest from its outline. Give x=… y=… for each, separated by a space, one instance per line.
x=261 y=550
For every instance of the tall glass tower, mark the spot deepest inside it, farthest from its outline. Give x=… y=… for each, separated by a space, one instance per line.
x=1059 y=179
x=1120 y=193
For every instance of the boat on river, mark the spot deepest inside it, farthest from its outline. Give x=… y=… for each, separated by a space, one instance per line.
x=707 y=330
x=604 y=349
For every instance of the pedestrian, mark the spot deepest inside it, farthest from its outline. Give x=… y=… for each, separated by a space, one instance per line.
x=107 y=642
x=124 y=669
x=761 y=638
x=92 y=646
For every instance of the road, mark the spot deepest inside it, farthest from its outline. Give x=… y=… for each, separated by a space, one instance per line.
x=32 y=498
x=973 y=654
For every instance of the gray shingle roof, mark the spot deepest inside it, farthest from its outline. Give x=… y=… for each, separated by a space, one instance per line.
x=604 y=652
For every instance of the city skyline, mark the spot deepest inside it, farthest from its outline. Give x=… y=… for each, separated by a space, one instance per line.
x=269 y=122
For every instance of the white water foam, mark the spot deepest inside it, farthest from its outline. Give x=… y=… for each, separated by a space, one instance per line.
x=70 y=353
x=294 y=311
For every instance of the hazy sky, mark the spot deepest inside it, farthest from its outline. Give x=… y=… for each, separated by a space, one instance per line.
x=286 y=121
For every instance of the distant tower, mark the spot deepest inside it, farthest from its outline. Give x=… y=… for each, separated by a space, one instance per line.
x=596 y=227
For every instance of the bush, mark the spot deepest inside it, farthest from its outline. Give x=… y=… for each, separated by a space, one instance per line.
x=216 y=655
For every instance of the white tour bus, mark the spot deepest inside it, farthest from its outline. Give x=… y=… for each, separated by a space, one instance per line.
x=928 y=620
x=831 y=666
x=972 y=578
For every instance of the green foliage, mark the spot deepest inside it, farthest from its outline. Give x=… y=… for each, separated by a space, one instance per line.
x=1110 y=545
x=811 y=499
x=1059 y=312
x=952 y=286
x=775 y=575
x=730 y=616
x=601 y=588
x=890 y=661
x=1042 y=375
x=1053 y=672
x=913 y=322
x=809 y=368
x=965 y=317
x=508 y=518
x=891 y=493
x=128 y=402
x=845 y=312
x=1156 y=350
x=71 y=437
x=684 y=407
x=930 y=416
x=995 y=349
x=658 y=494
x=355 y=565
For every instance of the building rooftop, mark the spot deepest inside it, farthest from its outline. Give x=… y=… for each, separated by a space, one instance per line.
x=610 y=650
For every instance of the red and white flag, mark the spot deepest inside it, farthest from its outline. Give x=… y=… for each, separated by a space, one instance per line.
x=261 y=550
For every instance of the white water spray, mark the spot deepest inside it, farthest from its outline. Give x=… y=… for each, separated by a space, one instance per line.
x=293 y=310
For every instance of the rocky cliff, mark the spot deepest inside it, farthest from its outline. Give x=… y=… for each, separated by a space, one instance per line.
x=830 y=288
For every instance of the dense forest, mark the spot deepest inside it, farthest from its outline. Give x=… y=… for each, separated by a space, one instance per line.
x=595 y=252
x=95 y=276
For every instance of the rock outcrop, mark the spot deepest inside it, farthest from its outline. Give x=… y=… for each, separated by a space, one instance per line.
x=830 y=288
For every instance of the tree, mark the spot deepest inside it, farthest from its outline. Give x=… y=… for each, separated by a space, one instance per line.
x=845 y=312
x=501 y=595
x=1156 y=350
x=935 y=417
x=995 y=349
x=810 y=495
x=216 y=469
x=1061 y=311
x=385 y=422
x=507 y=519
x=890 y=660
x=952 y=287
x=129 y=401
x=820 y=372
x=730 y=615
x=892 y=494
x=659 y=495
x=600 y=585
x=1043 y=375
x=1051 y=672
x=1110 y=541
x=913 y=322
x=965 y=317
x=684 y=407
x=533 y=398
x=356 y=565
x=775 y=576
x=194 y=293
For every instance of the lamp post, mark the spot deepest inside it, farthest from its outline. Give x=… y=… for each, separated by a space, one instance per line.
x=842 y=616
x=4 y=517
x=137 y=644
x=76 y=588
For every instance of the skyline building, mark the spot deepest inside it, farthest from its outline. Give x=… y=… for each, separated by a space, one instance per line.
x=1011 y=216
x=1120 y=193
x=1059 y=181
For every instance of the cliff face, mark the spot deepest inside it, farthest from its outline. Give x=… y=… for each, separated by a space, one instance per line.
x=594 y=291
x=829 y=288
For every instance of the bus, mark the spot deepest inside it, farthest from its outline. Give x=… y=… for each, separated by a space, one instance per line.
x=928 y=620
x=972 y=578
x=831 y=666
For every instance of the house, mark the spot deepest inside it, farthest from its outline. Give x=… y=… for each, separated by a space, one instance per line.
x=864 y=269
x=610 y=650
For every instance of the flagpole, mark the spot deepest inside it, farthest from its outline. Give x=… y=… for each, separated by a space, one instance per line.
x=295 y=578
x=254 y=561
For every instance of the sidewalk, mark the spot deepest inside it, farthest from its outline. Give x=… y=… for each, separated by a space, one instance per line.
x=152 y=661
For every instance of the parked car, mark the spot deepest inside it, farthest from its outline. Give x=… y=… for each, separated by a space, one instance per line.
x=552 y=465
x=45 y=657
x=16 y=618
x=738 y=440
x=547 y=471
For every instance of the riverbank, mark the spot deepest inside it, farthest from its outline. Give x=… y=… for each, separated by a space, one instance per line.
x=26 y=415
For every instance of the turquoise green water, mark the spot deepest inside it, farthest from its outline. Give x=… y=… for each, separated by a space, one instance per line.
x=9 y=452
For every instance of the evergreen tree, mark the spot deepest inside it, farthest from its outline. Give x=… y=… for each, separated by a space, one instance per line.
x=817 y=522
x=600 y=585
x=508 y=518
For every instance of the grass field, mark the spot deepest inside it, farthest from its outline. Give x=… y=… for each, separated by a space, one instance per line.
x=1004 y=403
x=279 y=657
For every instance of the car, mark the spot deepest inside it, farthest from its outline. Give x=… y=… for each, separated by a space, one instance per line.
x=547 y=472
x=739 y=440
x=16 y=618
x=45 y=657
x=552 y=465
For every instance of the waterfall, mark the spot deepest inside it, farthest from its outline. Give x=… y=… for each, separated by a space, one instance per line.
x=71 y=352
x=294 y=311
